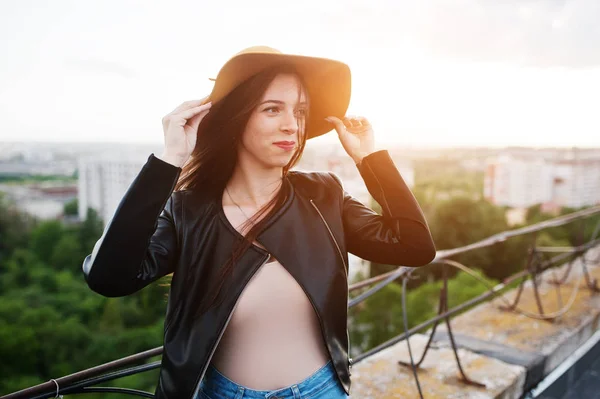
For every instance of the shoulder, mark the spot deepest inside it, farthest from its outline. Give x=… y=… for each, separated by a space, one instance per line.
x=176 y=199
x=191 y=203
x=315 y=180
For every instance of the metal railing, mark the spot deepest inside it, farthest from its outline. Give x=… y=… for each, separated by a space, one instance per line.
x=85 y=381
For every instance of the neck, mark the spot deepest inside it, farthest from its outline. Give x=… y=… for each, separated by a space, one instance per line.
x=254 y=185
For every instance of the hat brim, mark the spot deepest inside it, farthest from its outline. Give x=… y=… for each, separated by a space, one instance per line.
x=328 y=83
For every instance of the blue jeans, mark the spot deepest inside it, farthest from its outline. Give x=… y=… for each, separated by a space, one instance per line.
x=322 y=384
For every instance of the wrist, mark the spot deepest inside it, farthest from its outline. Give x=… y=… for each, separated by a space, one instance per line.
x=174 y=159
x=359 y=157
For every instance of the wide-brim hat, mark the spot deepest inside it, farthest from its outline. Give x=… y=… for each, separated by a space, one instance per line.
x=327 y=82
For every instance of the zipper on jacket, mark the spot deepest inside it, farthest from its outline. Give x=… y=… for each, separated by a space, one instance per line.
x=212 y=352
x=345 y=272
x=349 y=354
x=332 y=237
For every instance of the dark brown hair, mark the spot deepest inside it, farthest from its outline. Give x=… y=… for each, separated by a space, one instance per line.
x=214 y=159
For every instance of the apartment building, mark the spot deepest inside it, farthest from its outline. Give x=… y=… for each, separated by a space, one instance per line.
x=104 y=179
x=526 y=180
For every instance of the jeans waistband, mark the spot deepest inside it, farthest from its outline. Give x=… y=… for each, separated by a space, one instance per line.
x=215 y=382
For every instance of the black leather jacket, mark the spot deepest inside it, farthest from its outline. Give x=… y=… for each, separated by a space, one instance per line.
x=156 y=231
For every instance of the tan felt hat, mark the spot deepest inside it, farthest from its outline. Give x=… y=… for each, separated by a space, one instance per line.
x=328 y=82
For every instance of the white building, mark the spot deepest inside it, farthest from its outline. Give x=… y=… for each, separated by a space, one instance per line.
x=44 y=201
x=576 y=183
x=104 y=180
x=518 y=181
x=523 y=181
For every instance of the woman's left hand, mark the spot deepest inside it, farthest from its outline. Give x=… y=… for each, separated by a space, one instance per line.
x=356 y=135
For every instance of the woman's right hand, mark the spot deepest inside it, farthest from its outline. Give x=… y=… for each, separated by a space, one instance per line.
x=180 y=128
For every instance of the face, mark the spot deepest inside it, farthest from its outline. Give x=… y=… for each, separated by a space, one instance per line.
x=272 y=134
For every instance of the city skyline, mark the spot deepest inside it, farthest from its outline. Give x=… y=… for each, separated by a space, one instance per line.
x=462 y=73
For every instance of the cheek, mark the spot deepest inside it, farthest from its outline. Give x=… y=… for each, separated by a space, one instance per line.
x=258 y=132
x=254 y=139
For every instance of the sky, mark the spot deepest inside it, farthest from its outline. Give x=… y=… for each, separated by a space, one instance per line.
x=425 y=73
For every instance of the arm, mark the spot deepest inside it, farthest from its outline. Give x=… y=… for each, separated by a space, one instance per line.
x=139 y=244
x=400 y=236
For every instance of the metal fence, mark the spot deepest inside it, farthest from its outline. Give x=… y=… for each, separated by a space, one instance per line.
x=538 y=261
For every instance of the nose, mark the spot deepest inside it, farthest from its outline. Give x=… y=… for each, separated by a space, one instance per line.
x=289 y=123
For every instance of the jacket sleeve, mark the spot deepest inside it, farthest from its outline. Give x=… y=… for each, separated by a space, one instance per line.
x=139 y=243
x=400 y=236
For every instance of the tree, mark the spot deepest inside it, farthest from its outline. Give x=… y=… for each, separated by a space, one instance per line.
x=15 y=227
x=44 y=238
x=51 y=323
x=91 y=230
x=380 y=317
x=71 y=208
x=67 y=254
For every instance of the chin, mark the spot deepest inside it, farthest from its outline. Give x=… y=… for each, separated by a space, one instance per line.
x=277 y=162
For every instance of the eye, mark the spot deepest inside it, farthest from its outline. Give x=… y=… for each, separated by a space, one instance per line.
x=272 y=110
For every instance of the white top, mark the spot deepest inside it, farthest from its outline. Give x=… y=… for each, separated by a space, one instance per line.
x=273 y=339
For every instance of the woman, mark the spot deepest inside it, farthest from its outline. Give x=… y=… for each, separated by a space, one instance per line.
x=258 y=299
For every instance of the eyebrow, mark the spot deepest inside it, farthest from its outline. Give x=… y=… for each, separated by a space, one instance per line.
x=280 y=102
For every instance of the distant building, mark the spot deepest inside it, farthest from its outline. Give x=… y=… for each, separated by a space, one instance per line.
x=576 y=183
x=523 y=181
x=40 y=168
x=334 y=159
x=518 y=181
x=44 y=200
x=42 y=209
x=104 y=180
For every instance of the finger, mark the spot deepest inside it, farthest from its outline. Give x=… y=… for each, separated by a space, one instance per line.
x=195 y=120
x=195 y=111
x=363 y=121
x=339 y=125
x=190 y=104
x=352 y=121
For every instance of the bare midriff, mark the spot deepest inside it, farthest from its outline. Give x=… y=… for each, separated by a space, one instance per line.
x=273 y=339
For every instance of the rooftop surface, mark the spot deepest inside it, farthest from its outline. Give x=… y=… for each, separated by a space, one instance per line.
x=507 y=352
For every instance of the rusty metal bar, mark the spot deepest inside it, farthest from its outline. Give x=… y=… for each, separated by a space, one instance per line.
x=47 y=389
x=454 y=311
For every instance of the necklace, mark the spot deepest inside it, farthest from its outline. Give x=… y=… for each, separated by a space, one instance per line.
x=244 y=213
x=240 y=208
x=236 y=204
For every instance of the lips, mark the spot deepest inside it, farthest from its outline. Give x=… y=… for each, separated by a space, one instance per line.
x=286 y=145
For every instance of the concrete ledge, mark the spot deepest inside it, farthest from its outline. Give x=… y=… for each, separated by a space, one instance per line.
x=533 y=362
x=508 y=352
x=551 y=341
x=380 y=376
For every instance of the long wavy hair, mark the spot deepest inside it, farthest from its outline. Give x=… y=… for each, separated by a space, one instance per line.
x=215 y=156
